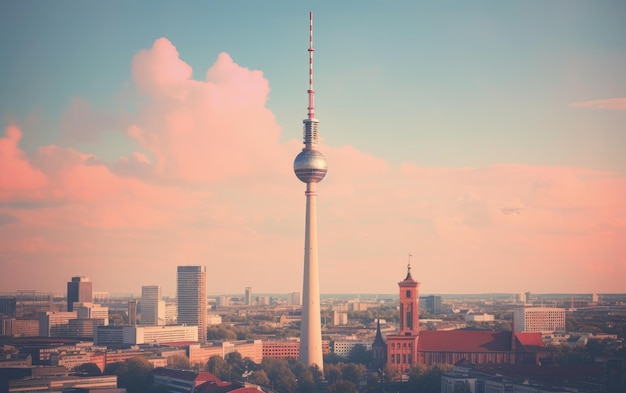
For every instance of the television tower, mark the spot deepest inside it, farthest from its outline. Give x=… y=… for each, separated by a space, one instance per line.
x=310 y=167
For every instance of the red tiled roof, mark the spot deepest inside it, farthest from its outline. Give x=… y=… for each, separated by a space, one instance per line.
x=464 y=341
x=186 y=375
x=226 y=387
x=530 y=342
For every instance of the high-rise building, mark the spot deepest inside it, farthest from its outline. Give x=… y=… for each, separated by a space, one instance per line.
x=247 y=297
x=132 y=312
x=310 y=167
x=80 y=289
x=152 y=312
x=431 y=303
x=293 y=298
x=191 y=298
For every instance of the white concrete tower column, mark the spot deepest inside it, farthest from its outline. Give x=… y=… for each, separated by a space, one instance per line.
x=310 y=167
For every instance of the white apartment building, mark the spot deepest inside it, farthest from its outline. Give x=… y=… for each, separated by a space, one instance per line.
x=344 y=347
x=135 y=335
x=539 y=319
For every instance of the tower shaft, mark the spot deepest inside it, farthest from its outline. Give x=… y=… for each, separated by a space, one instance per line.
x=311 y=330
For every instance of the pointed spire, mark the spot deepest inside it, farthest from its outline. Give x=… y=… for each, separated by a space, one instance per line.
x=408 y=269
x=379 y=336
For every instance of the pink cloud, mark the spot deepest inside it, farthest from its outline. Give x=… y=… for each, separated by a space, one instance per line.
x=609 y=103
x=212 y=183
x=17 y=175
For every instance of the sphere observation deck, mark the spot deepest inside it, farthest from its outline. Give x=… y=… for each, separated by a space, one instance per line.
x=310 y=166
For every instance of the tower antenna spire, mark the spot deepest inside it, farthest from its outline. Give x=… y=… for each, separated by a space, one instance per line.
x=311 y=108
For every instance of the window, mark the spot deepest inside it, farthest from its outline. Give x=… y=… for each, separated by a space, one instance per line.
x=408 y=293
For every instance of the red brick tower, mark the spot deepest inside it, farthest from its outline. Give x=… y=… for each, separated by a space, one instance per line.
x=402 y=347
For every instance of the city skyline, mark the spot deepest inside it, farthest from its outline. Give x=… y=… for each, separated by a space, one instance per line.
x=489 y=149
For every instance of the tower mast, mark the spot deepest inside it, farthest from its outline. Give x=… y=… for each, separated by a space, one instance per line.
x=310 y=167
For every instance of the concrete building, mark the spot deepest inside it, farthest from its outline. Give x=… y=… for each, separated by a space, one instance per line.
x=80 y=289
x=431 y=303
x=191 y=298
x=340 y=318
x=539 y=319
x=19 y=327
x=201 y=353
x=92 y=311
x=288 y=349
x=247 y=297
x=343 y=348
x=55 y=323
x=135 y=335
x=171 y=312
x=152 y=306
x=132 y=312
x=484 y=317
x=293 y=298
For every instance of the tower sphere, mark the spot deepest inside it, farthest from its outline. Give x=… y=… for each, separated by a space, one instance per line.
x=310 y=166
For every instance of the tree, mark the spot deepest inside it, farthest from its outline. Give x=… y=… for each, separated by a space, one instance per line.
x=281 y=377
x=342 y=387
x=360 y=354
x=352 y=372
x=259 y=378
x=132 y=374
x=333 y=358
x=89 y=369
x=333 y=373
x=178 y=361
x=218 y=367
x=318 y=375
x=221 y=333
x=236 y=363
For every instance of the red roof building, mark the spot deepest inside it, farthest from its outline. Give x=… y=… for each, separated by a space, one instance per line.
x=411 y=346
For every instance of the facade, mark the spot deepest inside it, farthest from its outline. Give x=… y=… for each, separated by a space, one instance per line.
x=293 y=298
x=431 y=303
x=8 y=305
x=402 y=347
x=92 y=311
x=19 y=327
x=288 y=349
x=191 y=298
x=135 y=335
x=55 y=323
x=247 y=297
x=340 y=318
x=152 y=307
x=132 y=312
x=310 y=167
x=80 y=289
x=200 y=354
x=539 y=319
x=58 y=384
x=83 y=328
x=479 y=317
x=343 y=348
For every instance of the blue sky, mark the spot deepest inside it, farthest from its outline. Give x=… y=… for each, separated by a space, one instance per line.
x=426 y=84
